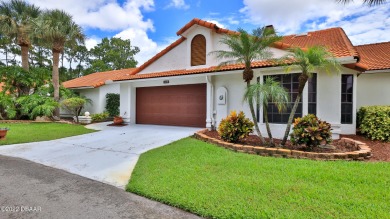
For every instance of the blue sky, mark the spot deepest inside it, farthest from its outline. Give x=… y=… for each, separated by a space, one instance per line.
x=152 y=24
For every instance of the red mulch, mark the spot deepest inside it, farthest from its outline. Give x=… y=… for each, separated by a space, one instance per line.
x=380 y=150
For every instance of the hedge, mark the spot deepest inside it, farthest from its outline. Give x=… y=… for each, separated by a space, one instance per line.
x=112 y=104
x=374 y=122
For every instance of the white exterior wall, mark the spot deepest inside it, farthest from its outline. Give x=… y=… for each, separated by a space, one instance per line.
x=103 y=90
x=98 y=97
x=373 y=89
x=94 y=95
x=328 y=99
x=328 y=86
x=174 y=59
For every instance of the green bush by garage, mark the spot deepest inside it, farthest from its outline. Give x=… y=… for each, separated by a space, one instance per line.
x=374 y=122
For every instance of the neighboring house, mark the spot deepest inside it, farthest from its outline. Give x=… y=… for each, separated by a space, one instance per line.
x=183 y=86
x=93 y=87
x=374 y=82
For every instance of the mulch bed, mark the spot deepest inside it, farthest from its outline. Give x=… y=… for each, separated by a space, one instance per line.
x=380 y=150
x=118 y=125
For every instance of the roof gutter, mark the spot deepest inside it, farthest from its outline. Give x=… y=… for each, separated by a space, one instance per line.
x=80 y=88
x=175 y=76
x=377 y=71
x=237 y=71
x=347 y=60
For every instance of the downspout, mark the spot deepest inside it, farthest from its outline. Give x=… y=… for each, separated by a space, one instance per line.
x=212 y=113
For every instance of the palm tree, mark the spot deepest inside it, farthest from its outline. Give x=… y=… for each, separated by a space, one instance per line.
x=367 y=2
x=15 y=21
x=308 y=60
x=246 y=48
x=269 y=91
x=60 y=29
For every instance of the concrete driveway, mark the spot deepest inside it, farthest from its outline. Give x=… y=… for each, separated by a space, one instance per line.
x=108 y=156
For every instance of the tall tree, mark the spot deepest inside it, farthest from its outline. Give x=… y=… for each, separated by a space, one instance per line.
x=82 y=55
x=16 y=18
x=113 y=54
x=59 y=30
x=269 y=92
x=40 y=54
x=309 y=60
x=366 y=2
x=9 y=49
x=246 y=48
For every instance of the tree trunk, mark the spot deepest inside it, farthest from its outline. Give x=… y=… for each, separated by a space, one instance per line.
x=62 y=59
x=290 y=119
x=6 y=57
x=302 y=82
x=25 y=65
x=55 y=80
x=248 y=74
x=250 y=102
x=265 y=114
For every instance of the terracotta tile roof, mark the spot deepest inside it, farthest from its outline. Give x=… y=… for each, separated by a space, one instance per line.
x=159 y=55
x=204 y=24
x=96 y=79
x=375 y=56
x=257 y=64
x=334 y=39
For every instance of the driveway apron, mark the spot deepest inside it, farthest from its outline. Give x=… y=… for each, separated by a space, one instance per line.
x=108 y=155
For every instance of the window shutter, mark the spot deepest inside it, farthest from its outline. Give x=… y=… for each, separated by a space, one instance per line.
x=198 y=50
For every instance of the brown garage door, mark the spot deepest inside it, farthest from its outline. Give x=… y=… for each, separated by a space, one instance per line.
x=181 y=105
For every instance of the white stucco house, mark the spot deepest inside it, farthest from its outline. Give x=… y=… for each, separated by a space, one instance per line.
x=93 y=87
x=183 y=86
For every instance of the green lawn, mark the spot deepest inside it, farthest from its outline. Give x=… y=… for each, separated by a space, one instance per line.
x=31 y=132
x=217 y=183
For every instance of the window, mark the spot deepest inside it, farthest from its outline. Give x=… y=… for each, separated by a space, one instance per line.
x=291 y=83
x=346 y=99
x=198 y=50
x=312 y=95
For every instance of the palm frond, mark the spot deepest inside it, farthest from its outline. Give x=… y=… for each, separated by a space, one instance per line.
x=269 y=91
x=366 y=2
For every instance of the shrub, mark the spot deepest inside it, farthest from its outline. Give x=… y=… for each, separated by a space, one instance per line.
x=310 y=131
x=235 y=127
x=112 y=104
x=36 y=105
x=374 y=122
x=100 y=117
x=7 y=106
x=74 y=105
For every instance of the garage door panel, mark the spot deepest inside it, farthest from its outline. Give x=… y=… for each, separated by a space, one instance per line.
x=180 y=105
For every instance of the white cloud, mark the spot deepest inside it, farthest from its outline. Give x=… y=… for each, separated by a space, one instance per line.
x=125 y=19
x=222 y=21
x=179 y=4
x=148 y=48
x=103 y=14
x=92 y=42
x=360 y=22
x=219 y=24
